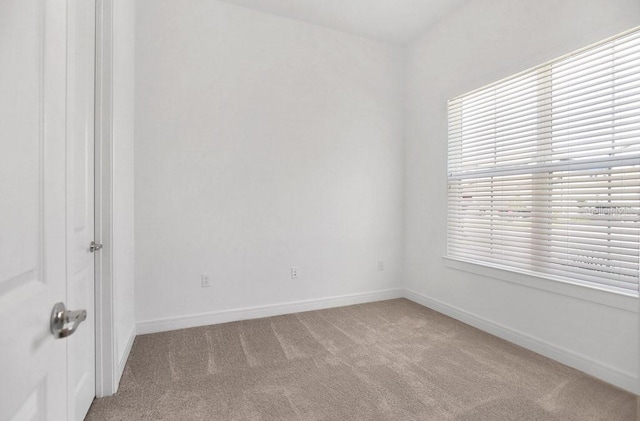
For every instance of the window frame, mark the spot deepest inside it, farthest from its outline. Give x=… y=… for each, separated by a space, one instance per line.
x=626 y=300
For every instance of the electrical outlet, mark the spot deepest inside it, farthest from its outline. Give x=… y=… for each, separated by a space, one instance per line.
x=205 y=280
x=295 y=272
x=380 y=265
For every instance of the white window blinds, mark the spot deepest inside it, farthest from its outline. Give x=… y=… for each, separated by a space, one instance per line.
x=544 y=169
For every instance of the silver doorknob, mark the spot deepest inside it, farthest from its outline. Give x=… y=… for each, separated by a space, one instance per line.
x=60 y=317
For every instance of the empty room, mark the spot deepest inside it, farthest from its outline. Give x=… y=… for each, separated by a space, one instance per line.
x=320 y=210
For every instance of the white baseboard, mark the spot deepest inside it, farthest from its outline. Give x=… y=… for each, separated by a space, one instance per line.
x=125 y=356
x=203 y=319
x=565 y=356
x=580 y=362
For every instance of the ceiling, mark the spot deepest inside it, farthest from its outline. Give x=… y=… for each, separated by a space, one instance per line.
x=396 y=21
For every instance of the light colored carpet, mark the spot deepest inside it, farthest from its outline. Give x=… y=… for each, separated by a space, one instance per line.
x=391 y=360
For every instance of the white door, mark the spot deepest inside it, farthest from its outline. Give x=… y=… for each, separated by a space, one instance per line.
x=80 y=202
x=41 y=183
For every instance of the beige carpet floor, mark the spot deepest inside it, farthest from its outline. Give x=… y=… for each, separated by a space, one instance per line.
x=391 y=360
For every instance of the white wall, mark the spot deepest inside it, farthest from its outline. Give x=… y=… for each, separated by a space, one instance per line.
x=123 y=158
x=261 y=143
x=482 y=42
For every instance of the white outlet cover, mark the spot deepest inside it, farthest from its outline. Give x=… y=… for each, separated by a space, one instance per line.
x=295 y=272
x=205 y=280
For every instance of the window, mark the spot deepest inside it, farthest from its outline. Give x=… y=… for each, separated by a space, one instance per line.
x=544 y=169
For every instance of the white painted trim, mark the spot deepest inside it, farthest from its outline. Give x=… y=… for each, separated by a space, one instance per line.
x=585 y=364
x=125 y=355
x=549 y=283
x=223 y=316
x=106 y=353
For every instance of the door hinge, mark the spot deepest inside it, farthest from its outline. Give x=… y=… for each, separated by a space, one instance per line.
x=93 y=247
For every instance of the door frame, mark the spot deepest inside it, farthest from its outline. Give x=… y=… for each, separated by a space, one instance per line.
x=108 y=372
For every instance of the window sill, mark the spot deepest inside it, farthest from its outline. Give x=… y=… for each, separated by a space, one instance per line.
x=628 y=302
